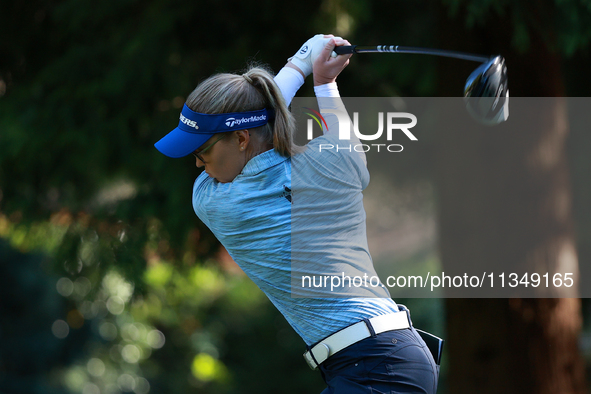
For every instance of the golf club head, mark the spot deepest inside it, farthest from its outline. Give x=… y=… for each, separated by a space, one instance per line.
x=486 y=93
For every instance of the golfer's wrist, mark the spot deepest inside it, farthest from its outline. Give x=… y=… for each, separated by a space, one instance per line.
x=289 y=64
x=327 y=90
x=319 y=80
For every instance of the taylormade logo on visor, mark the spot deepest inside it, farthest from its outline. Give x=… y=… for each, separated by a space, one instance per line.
x=231 y=122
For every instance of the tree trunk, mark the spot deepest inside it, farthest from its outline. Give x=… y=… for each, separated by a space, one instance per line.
x=514 y=346
x=506 y=198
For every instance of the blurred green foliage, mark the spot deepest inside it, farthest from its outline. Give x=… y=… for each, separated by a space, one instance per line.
x=188 y=328
x=30 y=307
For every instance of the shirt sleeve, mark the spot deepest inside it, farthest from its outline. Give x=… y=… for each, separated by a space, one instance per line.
x=328 y=158
x=199 y=189
x=332 y=109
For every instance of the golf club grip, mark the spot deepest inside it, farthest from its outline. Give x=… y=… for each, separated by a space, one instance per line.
x=345 y=49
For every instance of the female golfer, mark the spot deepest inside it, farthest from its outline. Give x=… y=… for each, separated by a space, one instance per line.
x=293 y=219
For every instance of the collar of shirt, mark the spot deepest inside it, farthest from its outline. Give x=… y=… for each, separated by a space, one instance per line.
x=262 y=162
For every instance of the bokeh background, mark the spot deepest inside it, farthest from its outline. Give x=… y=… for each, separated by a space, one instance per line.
x=110 y=284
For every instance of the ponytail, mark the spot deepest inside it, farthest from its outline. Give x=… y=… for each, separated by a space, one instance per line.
x=253 y=90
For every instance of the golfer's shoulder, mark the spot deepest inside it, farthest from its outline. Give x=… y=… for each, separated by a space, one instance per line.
x=201 y=184
x=202 y=179
x=336 y=157
x=325 y=148
x=324 y=139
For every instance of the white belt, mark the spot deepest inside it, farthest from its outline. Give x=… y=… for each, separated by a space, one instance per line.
x=353 y=334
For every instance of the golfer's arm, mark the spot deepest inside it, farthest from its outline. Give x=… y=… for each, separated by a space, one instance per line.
x=289 y=80
x=329 y=102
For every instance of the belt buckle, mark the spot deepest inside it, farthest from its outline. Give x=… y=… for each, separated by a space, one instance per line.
x=322 y=354
x=310 y=361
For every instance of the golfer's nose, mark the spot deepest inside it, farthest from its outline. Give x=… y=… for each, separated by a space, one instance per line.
x=198 y=162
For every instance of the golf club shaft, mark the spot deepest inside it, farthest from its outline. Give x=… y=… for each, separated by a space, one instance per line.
x=341 y=50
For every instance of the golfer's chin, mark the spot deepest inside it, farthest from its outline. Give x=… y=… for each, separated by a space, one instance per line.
x=219 y=179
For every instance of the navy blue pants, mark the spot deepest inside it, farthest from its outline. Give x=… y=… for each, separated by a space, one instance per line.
x=391 y=362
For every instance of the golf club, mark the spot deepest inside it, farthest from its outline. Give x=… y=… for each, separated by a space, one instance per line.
x=485 y=93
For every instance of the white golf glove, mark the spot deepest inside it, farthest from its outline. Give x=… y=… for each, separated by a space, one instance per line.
x=305 y=56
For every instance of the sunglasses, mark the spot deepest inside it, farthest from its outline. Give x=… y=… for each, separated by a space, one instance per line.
x=198 y=154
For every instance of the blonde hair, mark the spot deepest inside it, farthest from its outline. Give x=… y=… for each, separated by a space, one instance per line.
x=251 y=91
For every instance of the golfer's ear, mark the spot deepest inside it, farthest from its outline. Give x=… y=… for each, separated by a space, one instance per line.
x=243 y=138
